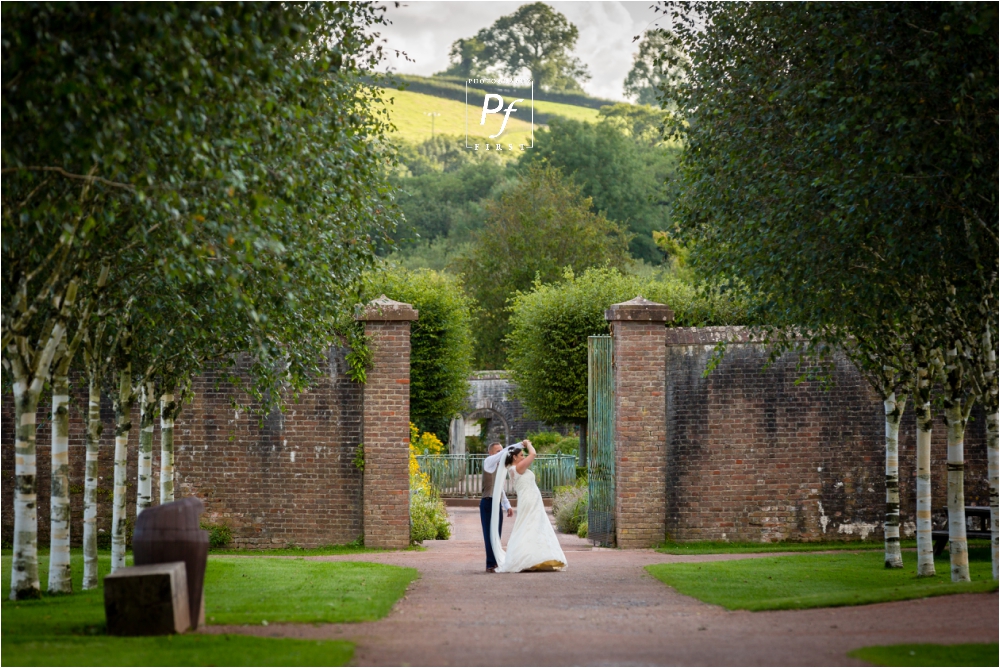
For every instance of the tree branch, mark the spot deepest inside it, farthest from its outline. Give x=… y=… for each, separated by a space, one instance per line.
x=69 y=175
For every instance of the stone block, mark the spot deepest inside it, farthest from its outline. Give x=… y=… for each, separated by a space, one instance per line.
x=147 y=600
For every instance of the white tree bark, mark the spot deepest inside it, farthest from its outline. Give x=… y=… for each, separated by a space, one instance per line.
x=168 y=409
x=925 y=425
x=29 y=372
x=958 y=546
x=60 y=572
x=893 y=414
x=123 y=425
x=94 y=429
x=147 y=411
x=991 y=401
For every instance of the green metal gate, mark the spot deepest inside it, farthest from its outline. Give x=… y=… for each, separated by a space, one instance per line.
x=600 y=441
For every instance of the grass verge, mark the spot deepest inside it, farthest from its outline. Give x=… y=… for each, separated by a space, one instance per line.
x=69 y=630
x=817 y=580
x=969 y=654
x=725 y=547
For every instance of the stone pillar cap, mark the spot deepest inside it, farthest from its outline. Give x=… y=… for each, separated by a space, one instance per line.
x=385 y=309
x=639 y=309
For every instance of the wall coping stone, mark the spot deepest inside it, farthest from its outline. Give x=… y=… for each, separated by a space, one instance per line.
x=386 y=310
x=693 y=336
x=639 y=309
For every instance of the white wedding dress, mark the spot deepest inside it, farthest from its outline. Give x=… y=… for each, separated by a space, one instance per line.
x=533 y=545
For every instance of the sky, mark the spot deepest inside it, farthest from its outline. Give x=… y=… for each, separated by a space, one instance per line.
x=425 y=29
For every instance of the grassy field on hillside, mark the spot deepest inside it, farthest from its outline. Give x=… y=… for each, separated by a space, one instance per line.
x=409 y=114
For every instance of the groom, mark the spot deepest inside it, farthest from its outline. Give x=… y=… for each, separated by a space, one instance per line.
x=486 y=510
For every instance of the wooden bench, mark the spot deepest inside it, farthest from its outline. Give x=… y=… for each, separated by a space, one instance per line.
x=940 y=536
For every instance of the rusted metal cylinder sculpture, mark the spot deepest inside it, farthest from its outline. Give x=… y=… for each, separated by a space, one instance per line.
x=172 y=532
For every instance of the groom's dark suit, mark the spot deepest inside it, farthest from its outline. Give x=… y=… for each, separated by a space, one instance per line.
x=486 y=512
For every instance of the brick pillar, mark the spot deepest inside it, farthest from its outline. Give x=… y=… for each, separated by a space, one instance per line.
x=639 y=337
x=386 y=424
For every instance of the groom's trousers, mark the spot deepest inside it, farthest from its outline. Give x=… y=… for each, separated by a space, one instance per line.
x=485 y=513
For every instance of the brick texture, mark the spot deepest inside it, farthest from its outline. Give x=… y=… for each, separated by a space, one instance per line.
x=387 y=426
x=638 y=335
x=753 y=456
x=285 y=478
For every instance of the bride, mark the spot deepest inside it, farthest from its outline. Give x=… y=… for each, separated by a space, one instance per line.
x=533 y=545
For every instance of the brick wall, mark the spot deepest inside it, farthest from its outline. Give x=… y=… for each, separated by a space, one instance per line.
x=282 y=479
x=387 y=425
x=637 y=329
x=751 y=455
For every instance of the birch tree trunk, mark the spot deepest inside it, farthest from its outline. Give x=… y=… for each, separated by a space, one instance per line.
x=893 y=413
x=925 y=425
x=991 y=401
x=60 y=572
x=123 y=424
x=29 y=378
x=992 y=434
x=957 y=544
x=147 y=411
x=94 y=429
x=168 y=408
x=24 y=569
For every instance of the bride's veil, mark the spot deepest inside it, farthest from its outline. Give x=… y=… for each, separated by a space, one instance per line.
x=491 y=464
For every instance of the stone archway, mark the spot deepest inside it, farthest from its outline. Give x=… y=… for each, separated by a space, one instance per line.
x=487 y=409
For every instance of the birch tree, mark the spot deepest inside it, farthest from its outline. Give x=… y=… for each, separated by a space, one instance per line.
x=29 y=362
x=836 y=187
x=122 y=401
x=207 y=151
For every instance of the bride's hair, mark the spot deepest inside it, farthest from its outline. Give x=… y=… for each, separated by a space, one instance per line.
x=510 y=456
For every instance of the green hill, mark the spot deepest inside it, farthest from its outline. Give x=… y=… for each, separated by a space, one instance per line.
x=410 y=109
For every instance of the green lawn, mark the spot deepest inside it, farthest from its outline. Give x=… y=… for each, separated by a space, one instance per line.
x=726 y=547
x=817 y=580
x=325 y=550
x=69 y=630
x=971 y=654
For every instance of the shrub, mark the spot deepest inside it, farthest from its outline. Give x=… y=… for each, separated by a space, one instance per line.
x=426 y=443
x=219 y=535
x=567 y=446
x=569 y=507
x=544 y=440
x=428 y=515
x=440 y=342
x=581 y=530
x=549 y=326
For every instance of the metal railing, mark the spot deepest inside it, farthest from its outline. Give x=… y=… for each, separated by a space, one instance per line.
x=461 y=476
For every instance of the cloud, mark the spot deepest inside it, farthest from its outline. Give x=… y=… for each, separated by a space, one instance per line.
x=425 y=31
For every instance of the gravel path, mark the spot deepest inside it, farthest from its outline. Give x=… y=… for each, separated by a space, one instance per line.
x=606 y=610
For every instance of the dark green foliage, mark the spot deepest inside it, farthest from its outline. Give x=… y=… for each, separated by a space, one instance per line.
x=440 y=342
x=551 y=323
x=623 y=174
x=841 y=162
x=219 y=535
x=534 y=231
x=218 y=157
x=657 y=69
x=443 y=190
x=536 y=39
